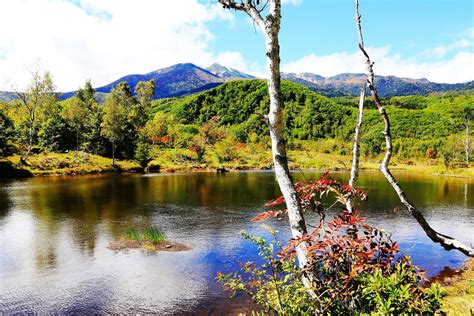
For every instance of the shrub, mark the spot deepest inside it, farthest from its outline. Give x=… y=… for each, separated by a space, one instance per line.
x=353 y=265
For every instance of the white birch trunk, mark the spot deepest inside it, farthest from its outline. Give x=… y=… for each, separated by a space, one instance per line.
x=270 y=27
x=275 y=120
x=356 y=149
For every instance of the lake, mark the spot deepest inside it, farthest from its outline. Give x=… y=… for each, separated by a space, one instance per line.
x=54 y=234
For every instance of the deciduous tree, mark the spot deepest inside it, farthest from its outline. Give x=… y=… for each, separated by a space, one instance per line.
x=114 y=121
x=36 y=98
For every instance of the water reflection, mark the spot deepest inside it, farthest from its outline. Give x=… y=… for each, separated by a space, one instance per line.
x=54 y=234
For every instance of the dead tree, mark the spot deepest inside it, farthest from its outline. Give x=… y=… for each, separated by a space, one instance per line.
x=356 y=148
x=445 y=241
x=267 y=16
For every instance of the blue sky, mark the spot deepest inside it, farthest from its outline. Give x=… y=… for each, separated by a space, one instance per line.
x=323 y=27
x=419 y=32
x=103 y=40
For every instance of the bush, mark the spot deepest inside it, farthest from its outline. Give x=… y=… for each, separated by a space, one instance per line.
x=227 y=149
x=352 y=266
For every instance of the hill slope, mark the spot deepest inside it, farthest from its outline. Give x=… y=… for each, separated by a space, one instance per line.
x=240 y=106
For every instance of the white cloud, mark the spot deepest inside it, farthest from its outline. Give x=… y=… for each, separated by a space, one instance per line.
x=442 y=50
x=293 y=2
x=102 y=39
x=459 y=68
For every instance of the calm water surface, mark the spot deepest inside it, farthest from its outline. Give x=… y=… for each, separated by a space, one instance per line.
x=54 y=234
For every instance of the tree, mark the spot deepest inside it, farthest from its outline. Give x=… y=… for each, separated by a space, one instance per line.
x=93 y=139
x=356 y=148
x=114 y=121
x=6 y=132
x=36 y=99
x=76 y=115
x=144 y=93
x=156 y=130
x=55 y=133
x=446 y=241
x=269 y=25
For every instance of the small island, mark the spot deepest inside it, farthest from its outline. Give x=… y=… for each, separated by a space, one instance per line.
x=149 y=239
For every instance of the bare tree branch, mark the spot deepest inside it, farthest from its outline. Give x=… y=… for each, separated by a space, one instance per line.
x=247 y=7
x=445 y=241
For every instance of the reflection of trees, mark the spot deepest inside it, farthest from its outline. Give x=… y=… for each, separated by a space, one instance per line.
x=80 y=205
x=186 y=206
x=5 y=201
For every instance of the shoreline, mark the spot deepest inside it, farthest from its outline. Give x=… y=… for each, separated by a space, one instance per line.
x=458 y=288
x=71 y=165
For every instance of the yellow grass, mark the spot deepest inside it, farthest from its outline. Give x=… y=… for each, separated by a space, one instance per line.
x=71 y=164
x=459 y=292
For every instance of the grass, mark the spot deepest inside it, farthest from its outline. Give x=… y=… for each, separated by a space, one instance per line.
x=150 y=234
x=246 y=157
x=149 y=239
x=72 y=164
x=258 y=157
x=459 y=292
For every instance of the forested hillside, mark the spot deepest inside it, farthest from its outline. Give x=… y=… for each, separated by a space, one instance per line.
x=419 y=123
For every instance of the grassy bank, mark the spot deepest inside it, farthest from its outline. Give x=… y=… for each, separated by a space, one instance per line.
x=71 y=164
x=258 y=158
x=459 y=292
x=248 y=158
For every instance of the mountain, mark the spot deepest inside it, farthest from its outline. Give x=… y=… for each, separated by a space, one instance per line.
x=179 y=80
x=7 y=96
x=184 y=79
x=174 y=81
x=387 y=86
x=228 y=73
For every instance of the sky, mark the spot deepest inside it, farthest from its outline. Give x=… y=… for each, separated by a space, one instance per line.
x=103 y=40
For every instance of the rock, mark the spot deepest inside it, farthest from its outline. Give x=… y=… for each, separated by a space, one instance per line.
x=221 y=170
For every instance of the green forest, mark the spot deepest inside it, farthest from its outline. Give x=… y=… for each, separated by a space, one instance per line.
x=225 y=126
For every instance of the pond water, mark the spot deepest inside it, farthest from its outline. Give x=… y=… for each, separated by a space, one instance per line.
x=54 y=234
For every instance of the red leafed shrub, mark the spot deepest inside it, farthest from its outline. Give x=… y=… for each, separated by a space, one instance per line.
x=352 y=267
x=310 y=194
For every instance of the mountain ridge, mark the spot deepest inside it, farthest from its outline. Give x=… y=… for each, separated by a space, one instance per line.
x=187 y=78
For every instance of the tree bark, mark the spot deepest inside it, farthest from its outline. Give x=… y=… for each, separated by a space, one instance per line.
x=77 y=141
x=113 y=154
x=447 y=242
x=270 y=27
x=356 y=149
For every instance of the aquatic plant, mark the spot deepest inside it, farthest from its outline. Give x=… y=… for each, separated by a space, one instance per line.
x=150 y=234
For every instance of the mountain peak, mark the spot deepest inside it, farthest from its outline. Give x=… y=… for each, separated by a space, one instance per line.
x=227 y=73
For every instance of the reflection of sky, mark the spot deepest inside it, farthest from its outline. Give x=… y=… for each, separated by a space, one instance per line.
x=54 y=236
